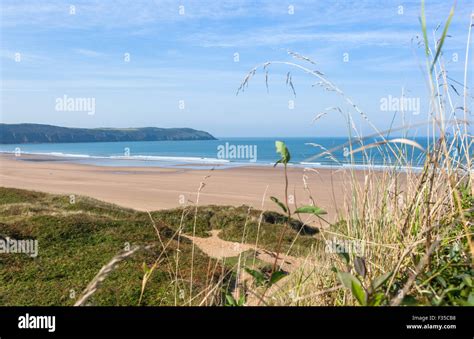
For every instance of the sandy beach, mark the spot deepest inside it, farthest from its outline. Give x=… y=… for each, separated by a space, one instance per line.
x=153 y=188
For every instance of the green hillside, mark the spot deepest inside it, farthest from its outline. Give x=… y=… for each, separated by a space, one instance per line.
x=36 y=133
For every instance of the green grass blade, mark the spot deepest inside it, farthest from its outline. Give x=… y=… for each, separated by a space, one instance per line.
x=423 y=27
x=443 y=36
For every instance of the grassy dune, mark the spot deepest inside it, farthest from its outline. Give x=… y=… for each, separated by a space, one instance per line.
x=77 y=239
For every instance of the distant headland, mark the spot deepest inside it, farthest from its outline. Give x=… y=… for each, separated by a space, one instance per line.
x=38 y=133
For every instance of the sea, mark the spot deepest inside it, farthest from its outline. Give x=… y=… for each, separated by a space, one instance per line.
x=227 y=152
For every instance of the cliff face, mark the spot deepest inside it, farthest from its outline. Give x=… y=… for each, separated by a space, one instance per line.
x=36 y=133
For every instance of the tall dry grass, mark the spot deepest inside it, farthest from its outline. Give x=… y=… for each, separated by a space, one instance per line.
x=406 y=220
x=414 y=224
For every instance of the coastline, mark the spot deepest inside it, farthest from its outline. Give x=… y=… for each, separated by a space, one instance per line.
x=193 y=162
x=156 y=188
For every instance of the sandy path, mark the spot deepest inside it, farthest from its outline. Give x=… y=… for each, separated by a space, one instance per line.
x=218 y=248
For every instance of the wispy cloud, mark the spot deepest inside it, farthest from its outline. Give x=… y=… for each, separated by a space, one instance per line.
x=268 y=38
x=141 y=13
x=88 y=52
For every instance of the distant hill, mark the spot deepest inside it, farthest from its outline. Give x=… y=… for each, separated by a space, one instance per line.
x=36 y=133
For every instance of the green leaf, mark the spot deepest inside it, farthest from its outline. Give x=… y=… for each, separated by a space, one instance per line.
x=241 y=300
x=230 y=301
x=359 y=265
x=310 y=210
x=279 y=203
x=379 y=281
x=276 y=276
x=347 y=279
x=359 y=293
x=470 y=299
x=376 y=299
x=283 y=151
x=467 y=280
x=442 y=281
x=257 y=275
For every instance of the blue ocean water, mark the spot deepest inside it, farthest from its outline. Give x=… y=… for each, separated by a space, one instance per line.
x=225 y=152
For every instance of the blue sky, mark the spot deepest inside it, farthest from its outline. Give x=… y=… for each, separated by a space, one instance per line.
x=190 y=57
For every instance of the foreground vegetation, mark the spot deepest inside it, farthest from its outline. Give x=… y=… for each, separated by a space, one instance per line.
x=414 y=220
x=78 y=237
